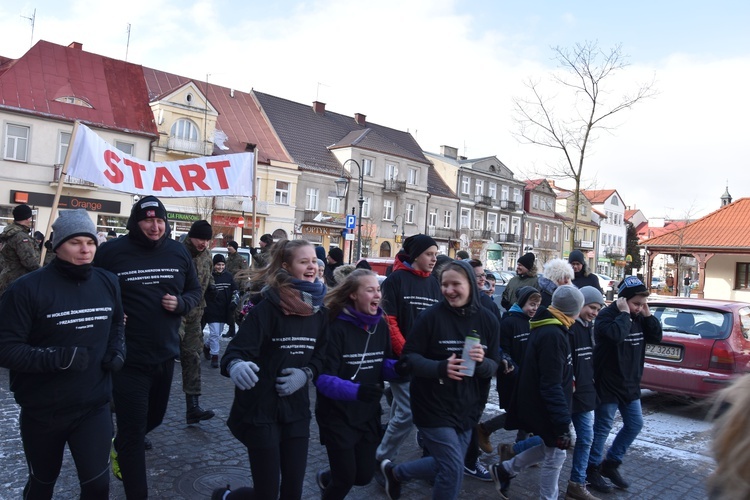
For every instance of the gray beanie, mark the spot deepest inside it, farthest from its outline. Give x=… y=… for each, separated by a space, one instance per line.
x=70 y=224
x=568 y=300
x=592 y=295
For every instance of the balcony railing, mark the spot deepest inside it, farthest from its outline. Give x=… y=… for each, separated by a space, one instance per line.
x=506 y=238
x=480 y=234
x=192 y=147
x=483 y=200
x=75 y=181
x=392 y=185
x=508 y=205
x=445 y=233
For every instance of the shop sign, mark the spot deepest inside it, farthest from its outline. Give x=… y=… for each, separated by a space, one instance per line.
x=67 y=202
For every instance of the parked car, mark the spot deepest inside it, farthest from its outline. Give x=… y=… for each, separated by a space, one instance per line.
x=657 y=283
x=706 y=344
x=501 y=282
x=244 y=252
x=605 y=282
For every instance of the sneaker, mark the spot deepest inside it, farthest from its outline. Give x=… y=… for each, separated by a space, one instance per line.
x=578 y=491
x=206 y=351
x=505 y=451
x=220 y=493
x=483 y=437
x=609 y=470
x=595 y=481
x=323 y=478
x=478 y=472
x=392 y=485
x=501 y=478
x=114 y=462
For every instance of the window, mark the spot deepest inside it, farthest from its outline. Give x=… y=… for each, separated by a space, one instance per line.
x=465 y=218
x=311 y=199
x=184 y=129
x=614 y=201
x=517 y=195
x=546 y=232
x=413 y=177
x=585 y=235
x=534 y=201
x=16 y=142
x=366 y=207
x=367 y=167
x=584 y=210
x=567 y=234
x=125 y=147
x=433 y=218
x=390 y=171
x=410 y=213
x=492 y=222
x=515 y=225
x=492 y=190
x=504 y=192
x=604 y=239
x=387 y=210
x=282 y=193
x=479 y=187
x=537 y=231
x=334 y=204
x=526 y=230
x=503 y=224
x=556 y=235
x=478 y=220
x=62 y=149
x=465 y=185
x=447 y=218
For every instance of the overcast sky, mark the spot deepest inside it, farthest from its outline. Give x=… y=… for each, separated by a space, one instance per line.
x=447 y=71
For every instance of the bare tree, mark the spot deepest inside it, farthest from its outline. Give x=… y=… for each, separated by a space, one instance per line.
x=586 y=70
x=204 y=206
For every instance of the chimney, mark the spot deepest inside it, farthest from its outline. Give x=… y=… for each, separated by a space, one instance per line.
x=319 y=107
x=449 y=152
x=551 y=182
x=360 y=119
x=76 y=45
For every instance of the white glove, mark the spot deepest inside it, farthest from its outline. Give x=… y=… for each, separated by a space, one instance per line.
x=243 y=374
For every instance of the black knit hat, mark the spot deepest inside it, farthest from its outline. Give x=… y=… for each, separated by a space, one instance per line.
x=630 y=287
x=233 y=244
x=415 y=245
x=201 y=230
x=336 y=254
x=576 y=256
x=527 y=260
x=148 y=207
x=219 y=258
x=523 y=295
x=21 y=212
x=267 y=239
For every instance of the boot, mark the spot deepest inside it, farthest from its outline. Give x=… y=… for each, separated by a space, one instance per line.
x=595 y=480
x=483 y=438
x=206 y=351
x=578 y=491
x=215 y=361
x=194 y=412
x=609 y=470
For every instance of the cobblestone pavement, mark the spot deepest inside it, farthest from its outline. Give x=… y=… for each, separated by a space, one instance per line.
x=189 y=461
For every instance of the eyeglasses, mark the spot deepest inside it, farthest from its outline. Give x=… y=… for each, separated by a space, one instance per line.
x=480 y=276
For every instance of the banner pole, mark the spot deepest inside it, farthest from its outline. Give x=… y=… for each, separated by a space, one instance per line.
x=254 y=197
x=58 y=192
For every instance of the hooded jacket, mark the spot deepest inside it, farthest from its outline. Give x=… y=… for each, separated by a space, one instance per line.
x=147 y=270
x=20 y=254
x=620 y=351
x=583 y=277
x=543 y=399
x=406 y=292
x=514 y=337
x=439 y=332
x=515 y=283
x=581 y=336
x=218 y=305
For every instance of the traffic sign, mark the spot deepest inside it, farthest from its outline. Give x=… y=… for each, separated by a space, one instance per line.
x=351 y=221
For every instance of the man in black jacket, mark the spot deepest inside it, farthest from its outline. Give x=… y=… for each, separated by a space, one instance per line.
x=159 y=286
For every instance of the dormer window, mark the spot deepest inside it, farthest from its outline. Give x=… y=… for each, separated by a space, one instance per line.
x=184 y=129
x=76 y=101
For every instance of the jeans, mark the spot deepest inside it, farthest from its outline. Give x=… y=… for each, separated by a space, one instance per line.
x=604 y=416
x=552 y=460
x=525 y=444
x=584 y=426
x=400 y=423
x=89 y=439
x=445 y=465
x=686 y=290
x=214 y=332
x=141 y=394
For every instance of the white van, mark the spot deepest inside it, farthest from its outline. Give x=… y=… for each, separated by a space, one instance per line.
x=244 y=252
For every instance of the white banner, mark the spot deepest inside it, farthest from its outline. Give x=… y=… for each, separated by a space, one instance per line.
x=93 y=159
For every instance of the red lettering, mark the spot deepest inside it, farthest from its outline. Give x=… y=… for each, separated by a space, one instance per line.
x=193 y=175
x=114 y=174
x=219 y=166
x=164 y=179
x=137 y=168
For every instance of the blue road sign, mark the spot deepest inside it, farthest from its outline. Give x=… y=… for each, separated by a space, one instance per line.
x=351 y=221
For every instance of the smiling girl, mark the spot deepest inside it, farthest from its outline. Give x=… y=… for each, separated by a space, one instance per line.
x=349 y=390
x=277 y=351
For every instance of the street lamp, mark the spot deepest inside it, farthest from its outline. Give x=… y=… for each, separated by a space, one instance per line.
x=342 y=189
x=394 y=226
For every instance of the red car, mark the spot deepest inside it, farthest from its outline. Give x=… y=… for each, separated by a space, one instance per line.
x=706 y=344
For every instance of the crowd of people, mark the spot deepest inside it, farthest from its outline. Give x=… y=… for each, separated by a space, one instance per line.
x=97 y=331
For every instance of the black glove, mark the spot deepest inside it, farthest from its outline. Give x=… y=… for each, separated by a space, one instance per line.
x=369 y=393
x=112 y=361
x=402 y=366
x=75 y=359
x=564 y=440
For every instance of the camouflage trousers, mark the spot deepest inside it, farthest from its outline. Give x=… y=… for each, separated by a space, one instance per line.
x=191 y=347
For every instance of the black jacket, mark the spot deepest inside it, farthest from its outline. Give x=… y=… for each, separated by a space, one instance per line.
x=439 y=332
x=581 y=338
x=583 y=278
x=514 y=337
x=218 y=305
x=620 y=351
x=48 y=310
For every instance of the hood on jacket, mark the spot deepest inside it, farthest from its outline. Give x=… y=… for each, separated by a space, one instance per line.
x=474 y=299
x=13 y=229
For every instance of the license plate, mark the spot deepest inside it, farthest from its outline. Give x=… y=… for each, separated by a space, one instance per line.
x=660 y=351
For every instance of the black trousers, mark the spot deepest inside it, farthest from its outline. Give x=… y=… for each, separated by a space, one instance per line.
x=349 y=467
x=88 y=437
x=141 y=394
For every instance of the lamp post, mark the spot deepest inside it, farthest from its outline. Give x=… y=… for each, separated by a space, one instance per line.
x=394 y=226
x=342 y=189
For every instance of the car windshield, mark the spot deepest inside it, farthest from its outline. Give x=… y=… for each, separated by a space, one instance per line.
x=705 y=323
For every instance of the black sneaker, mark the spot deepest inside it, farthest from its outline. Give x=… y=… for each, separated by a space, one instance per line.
x=392 y=485
x=219 y=493
x=501 y=478
x=595 y=481
x=609 y=470
x=323 y=478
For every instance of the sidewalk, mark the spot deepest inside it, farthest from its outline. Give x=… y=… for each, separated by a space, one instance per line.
x=188 y=462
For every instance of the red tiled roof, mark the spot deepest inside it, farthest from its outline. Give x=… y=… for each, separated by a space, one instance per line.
x=597 y=196
x=724 y=229
x=630 y=213
x=240 y=117
x=115 y=89
x=533 y=183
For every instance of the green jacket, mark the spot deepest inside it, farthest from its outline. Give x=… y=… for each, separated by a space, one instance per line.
x=19 y=253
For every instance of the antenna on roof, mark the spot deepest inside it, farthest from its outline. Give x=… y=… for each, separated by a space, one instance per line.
x=127 y=45
x=32 y=19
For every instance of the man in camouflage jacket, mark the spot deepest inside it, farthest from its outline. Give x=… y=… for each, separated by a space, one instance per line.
x=19 y=250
